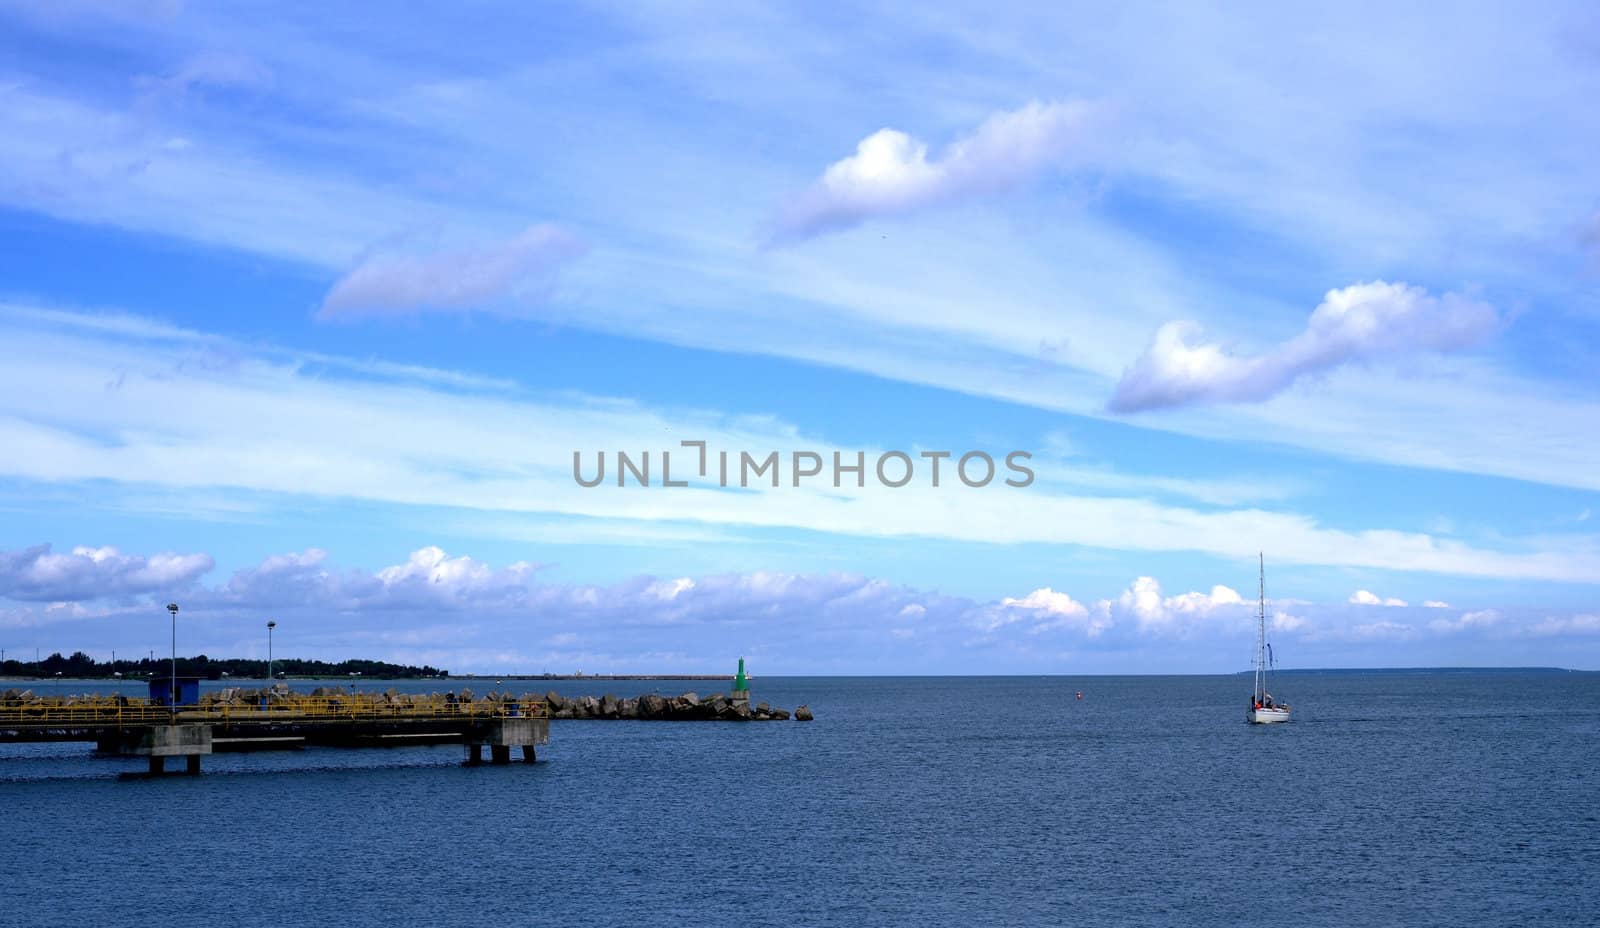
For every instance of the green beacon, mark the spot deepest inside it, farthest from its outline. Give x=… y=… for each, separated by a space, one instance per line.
x=741 y=686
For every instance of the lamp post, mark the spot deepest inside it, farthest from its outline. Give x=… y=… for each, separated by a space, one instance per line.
x=270 y=626
x=172 y=698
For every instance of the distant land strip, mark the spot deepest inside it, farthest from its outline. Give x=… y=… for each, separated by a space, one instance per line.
x=1418 y=670
x=592 y=676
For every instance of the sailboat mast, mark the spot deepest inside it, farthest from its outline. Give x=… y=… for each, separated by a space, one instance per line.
x=1261 y=630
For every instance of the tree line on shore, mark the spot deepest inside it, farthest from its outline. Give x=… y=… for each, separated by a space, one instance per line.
x=81 y=665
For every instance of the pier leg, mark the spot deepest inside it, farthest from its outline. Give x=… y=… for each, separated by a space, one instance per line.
x=474 y=755
x=528 y=756
x=500 y=753
x=193 y=769
x=158 y=765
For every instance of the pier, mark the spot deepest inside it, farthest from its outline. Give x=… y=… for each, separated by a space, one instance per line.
x=281 y=719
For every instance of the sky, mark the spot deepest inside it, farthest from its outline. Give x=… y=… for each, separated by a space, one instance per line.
x=325 y=315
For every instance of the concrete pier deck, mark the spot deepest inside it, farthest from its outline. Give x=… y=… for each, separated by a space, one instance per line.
x=135 y=728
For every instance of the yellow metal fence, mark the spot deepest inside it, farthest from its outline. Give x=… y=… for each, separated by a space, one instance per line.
x=294 y=708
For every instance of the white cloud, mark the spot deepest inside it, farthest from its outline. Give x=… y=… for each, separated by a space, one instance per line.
x=1285 y=622
x=1045 y=599
x=469 y=279
x=1361 y=322
x=1142 y=601
x=1481 y=618
x=890 y=173
x=668 y=590
x=1369 y=598
x=38 y=574
x=1045 y=609
x=1435 y=604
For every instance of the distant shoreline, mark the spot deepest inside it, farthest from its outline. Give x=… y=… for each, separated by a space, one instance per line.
x=356 y=679
x=445 y=679
x=592 y=676
x=1421 y=670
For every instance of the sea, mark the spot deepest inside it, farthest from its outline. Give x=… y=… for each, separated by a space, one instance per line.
x=1392 y=798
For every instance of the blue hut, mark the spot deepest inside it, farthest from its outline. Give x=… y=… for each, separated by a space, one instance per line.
x=184 y=692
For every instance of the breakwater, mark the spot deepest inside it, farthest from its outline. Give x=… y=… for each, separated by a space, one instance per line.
x=192 y=725
x=686 y=707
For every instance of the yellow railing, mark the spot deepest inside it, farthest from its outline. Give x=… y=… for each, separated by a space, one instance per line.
x=294 y=708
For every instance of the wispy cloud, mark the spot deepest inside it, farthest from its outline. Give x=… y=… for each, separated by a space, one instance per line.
x=117 y=412
x=891 y=173
x=1357 y=323
x=1476 y=619
x=465 y=280
x=213 y=69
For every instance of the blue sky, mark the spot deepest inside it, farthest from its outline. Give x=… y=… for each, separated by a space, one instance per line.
x=305 y=314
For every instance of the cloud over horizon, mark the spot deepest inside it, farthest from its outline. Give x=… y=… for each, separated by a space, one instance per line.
x=1363 y=322
x=457 y=609
x=38 y=574
x=891 y=173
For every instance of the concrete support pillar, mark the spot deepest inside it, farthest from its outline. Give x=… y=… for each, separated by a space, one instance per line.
x=158 y=765
x=474 y=755
x=193 y=769
x=158 y=742
x=501 y=735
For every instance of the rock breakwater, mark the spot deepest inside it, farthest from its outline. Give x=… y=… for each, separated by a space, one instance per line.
x=687 y=707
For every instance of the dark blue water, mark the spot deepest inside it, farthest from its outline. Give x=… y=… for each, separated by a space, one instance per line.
x=1422 y=799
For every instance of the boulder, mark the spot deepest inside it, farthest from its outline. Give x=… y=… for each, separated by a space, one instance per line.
x=609 y=706
x=555 y=701
x=802 y=714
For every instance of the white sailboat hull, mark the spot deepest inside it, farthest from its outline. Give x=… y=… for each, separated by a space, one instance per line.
x=1265 y=716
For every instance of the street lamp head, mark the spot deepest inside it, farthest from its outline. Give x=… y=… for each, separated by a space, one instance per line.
x=271 y=624
x=172 y=608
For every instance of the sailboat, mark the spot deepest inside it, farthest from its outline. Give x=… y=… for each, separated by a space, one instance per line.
x=1263 y=708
